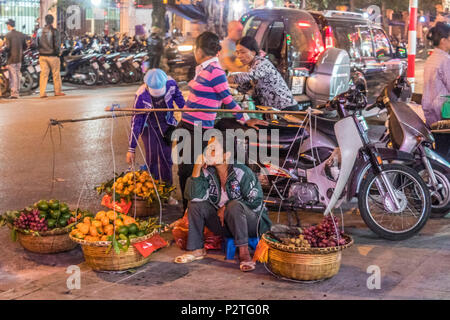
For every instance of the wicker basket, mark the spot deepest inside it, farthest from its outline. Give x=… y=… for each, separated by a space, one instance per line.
x=143 y=208
x=53 y=241
x=305 y=263
x=100 y=258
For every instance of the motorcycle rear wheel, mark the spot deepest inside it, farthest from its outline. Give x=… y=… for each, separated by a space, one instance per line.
x=369 y=204
x=92 y=77
x=26 y=82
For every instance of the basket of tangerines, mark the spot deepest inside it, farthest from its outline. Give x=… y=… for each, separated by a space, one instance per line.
x=107 y=240
x=138 y=188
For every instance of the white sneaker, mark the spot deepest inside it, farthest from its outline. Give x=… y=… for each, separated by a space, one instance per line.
x=172 y=201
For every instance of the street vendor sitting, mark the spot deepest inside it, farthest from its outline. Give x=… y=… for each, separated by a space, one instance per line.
x=227 y=198
x=159 y=91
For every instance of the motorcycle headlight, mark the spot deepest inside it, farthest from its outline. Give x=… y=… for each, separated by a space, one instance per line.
x=185 y=48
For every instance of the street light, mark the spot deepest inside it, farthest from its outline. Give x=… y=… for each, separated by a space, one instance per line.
x=96 y=3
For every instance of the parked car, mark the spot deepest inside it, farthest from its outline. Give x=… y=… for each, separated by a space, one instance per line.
x=294 y=39
x=374 y=60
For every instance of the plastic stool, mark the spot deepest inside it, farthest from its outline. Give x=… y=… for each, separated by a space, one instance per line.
x=230 y=248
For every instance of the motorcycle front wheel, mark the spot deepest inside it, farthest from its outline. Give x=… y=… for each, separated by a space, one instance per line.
x=378 y=210
x=440 y=199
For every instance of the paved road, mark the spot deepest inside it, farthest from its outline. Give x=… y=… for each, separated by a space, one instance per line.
x=416 y=268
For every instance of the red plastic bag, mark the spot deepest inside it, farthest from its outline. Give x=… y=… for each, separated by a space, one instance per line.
x=121 y=207
x=146 y=247
x=180 y=234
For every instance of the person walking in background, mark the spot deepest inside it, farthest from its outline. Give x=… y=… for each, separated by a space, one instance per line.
x=155 y=47
x=48 y=42
x=15 y=44
x=227 y=56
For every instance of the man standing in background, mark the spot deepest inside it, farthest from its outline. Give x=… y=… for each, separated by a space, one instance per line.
x=15 y=44
x=48 y=42
x=227 y=55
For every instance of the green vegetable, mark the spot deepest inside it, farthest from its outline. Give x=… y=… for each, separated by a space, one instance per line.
x=123 y=230
x=51 y=223
x=133 y=228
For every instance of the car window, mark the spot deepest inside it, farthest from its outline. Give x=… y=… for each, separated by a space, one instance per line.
x=251 y=27
x=305 y=41
x=365 y=42
x=382 y=45
x=274 y=39
x=346 y=37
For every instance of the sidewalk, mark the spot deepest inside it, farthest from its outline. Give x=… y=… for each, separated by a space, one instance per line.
x=413 y=269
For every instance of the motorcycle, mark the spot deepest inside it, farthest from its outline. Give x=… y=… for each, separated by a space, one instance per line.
x=78 y=68
x=407 y=132
x=393 y=199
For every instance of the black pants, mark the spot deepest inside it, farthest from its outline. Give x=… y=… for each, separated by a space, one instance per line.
x=185 y=169
x=240 y=223
x=154 y=61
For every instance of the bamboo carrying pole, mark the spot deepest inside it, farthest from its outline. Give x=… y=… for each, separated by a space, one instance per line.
x=111 y=109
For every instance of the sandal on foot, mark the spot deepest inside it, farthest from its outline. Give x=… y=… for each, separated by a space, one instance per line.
x=187 y=257
x=246 y=266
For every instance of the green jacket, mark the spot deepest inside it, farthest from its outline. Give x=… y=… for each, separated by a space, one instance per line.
x=241 y=185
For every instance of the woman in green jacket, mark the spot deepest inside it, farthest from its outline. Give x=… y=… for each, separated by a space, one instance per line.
x=228 y=199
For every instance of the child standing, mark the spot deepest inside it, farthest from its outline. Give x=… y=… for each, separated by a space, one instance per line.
x=158 y=91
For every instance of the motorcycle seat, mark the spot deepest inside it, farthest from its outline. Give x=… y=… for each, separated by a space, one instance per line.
x=72 y=58
x=112 y=55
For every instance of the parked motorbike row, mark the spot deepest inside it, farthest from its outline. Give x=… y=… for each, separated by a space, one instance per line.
x=86 y=60
x=398 y=181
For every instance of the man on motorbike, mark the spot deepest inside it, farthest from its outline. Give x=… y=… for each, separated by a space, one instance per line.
x=155 y=48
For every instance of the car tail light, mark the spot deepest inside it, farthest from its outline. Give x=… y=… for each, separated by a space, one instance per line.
x=303 y=24
x=329 y=40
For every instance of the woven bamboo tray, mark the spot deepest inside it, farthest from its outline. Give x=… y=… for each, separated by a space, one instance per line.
x=305 y=263
x=143 y=208
x=98 y=258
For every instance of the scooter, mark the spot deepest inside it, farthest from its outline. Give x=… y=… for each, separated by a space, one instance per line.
x=407 y=132
x=393 y=199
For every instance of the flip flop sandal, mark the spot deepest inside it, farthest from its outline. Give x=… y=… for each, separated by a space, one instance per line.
x=187 y=257
x=246 y=266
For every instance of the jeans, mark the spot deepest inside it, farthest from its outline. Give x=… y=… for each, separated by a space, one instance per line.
x=14 y=78
x=48 y=64
x=240 y=223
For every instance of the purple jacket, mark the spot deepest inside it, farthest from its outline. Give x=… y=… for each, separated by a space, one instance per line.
x=143 y=100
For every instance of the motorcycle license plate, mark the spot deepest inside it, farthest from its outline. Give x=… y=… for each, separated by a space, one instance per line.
x=106 y=66
x=30 y=69
x=118 y=64
x=95 y=65
x=136 y=65
x=38 y=68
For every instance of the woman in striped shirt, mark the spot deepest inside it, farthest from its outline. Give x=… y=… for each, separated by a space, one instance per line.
x=208 y=90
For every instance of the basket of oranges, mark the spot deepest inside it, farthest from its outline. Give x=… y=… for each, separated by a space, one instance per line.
x=107 y=240
x=139 y=188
